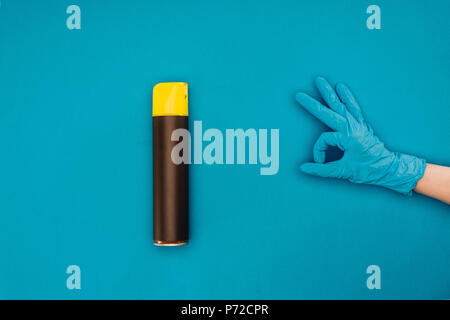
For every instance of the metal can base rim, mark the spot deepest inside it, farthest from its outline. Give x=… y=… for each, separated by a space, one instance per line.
x=169 y=243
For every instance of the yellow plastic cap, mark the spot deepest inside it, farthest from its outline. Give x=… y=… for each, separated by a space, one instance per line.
x=170 y=99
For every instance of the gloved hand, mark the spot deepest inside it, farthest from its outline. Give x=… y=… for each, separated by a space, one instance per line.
x=365 y=159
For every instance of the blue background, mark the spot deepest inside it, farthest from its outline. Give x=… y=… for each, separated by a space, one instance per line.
x=76 y=162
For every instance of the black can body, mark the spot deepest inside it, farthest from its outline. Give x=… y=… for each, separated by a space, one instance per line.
x=170 y=185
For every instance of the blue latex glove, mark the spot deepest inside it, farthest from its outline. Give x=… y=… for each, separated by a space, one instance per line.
x=365 y=159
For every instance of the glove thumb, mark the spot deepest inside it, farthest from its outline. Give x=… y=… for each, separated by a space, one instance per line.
x=327 y=170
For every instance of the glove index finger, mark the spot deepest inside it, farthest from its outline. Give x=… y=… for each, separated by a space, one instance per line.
x=324 y=114
x=326 y=140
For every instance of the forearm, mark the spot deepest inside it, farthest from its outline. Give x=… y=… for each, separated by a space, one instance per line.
x=435 y=183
